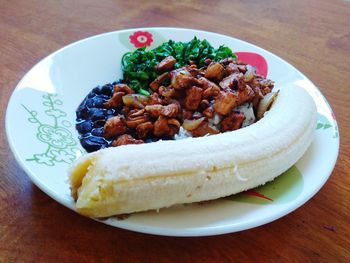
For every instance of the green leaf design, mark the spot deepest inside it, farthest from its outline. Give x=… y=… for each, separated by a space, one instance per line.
x=56 y=113
x=323 y=122
x=32 y=120
x=43 y=159
x=58 y=102
x=66 y=123
x=62 y=156
x=60 y=144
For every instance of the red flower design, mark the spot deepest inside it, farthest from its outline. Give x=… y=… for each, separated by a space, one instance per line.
x=141 y=39
x=255 y=60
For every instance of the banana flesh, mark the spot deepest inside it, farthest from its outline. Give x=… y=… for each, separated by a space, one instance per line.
x=142 y=177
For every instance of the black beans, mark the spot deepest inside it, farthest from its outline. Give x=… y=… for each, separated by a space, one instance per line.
x=98 y=101
x=93 y=143
x=82 y=113
x=92 y=116
x=97 y=114
x=91 y=95
x=110 y=111
x=84 y=127
x=96 y=90
x=97 y=132
x=107 y=89
x=89 y=103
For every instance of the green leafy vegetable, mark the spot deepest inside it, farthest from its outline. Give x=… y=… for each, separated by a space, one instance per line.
x=139 y=66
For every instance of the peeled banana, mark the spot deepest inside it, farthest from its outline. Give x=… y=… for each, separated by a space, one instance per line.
x=142 y=177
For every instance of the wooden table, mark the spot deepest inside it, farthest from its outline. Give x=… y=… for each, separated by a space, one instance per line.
x=313 y=35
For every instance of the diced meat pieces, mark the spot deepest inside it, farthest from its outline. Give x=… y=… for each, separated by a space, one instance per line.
x=210 y=88
x=193 y=70
x=136 y=121
x=181 y=79
x=119 y=91
x=245 y=95
x=184 y=82
x=166 y=127
x=166 y=92
x=161 y=126
x=174 y=124
x=203 y=105
x=231 y=68
x=115 y=101
x=126 y=139
x=154 y=110
x=144 y=128
x=226 y=61
x=166 y=64
x=123 y=88
x=170 y=111
x=204 y=129
x=230 y=82
x=193 y=98
x=265 y=85
x=136 y=118
x=155 y=84
x=211 y=92
x=215 y=71
x=136 y=113
x=114 y=126
x=186 y=114
x=205 y=83
x=154 y=99
x=225 y=102
x=232 y=122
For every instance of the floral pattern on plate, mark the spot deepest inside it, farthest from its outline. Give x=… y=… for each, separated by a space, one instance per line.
x=61 y=146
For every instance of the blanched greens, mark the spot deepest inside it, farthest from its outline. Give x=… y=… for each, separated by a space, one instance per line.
x=139 y=65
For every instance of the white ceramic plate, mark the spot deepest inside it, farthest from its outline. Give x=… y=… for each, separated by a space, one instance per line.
x=40 y=128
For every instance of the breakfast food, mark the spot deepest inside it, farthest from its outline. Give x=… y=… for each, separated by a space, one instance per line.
x=239 y=133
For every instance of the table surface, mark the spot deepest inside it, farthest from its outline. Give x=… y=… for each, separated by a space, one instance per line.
x=312 y=35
